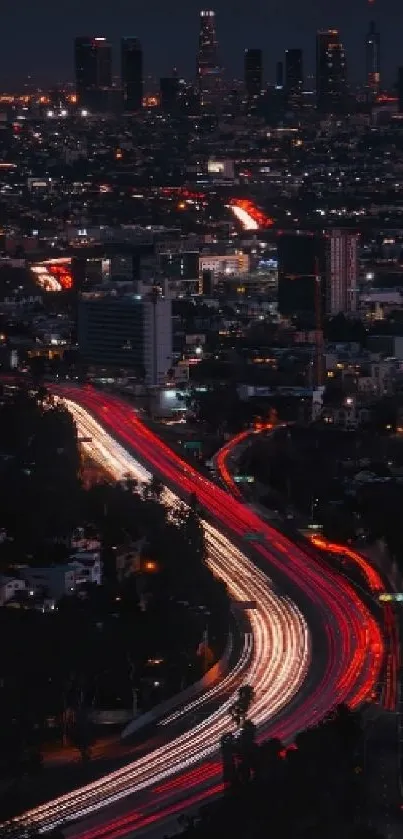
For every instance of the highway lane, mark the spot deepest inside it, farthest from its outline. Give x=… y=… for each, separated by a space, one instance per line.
x=219 y=550
x=339 y=604
x=249 y=215
x=223 y=459
x=246 y=220
x=381 y=765
x=375 y=581
x=275 y=659
x=354 y=644
x=351 y=638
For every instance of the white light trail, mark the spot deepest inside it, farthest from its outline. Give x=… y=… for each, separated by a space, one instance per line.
x=44 y=279
x=248 y=223
x=274 y=660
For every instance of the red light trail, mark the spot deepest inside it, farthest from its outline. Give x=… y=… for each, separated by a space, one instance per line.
x=222 y=458
x=247 y=208
x=371 y=575
x=62 y=275
x=350 y=638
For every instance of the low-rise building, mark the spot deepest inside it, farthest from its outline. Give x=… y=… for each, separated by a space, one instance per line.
x=351 y=414
x=127 y=332
x=56 y=581
x=9 y=587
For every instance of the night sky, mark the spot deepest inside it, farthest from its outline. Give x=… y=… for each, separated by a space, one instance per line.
x=36 y=35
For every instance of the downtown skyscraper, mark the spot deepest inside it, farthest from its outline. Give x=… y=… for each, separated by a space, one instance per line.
x=93 y=71
x=208 y=65
x=253 y=70
x=331 y=72
x=132 y=74
x=373 y=59
x=294 y=74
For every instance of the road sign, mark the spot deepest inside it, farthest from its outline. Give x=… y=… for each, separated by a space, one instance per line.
x=254 y=536
x=393 y=597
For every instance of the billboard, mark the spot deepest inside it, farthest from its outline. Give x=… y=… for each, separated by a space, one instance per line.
x=221 y=168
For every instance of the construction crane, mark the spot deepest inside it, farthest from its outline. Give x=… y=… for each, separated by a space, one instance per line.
x=318 y=365
x=318 y=327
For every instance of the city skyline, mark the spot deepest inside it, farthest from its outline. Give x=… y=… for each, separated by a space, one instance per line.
x=45 y=41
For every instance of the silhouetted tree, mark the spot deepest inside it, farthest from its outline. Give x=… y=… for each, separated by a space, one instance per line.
x=82 y=734
x=228 y=758
x=239 y=710
x=154 y=489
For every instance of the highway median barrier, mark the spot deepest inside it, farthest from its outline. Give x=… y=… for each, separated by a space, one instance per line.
x=210 y=678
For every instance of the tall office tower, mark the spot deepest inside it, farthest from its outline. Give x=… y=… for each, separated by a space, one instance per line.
x=208 y=67
x=169 y=94
x=93 y=70
x=341 y=272
x=279 y=74
x=132 y=74
x=253 y=66
x=294 y=77
x=127 y=333
x=400 y=88
x=373 y=59
x=331 y=74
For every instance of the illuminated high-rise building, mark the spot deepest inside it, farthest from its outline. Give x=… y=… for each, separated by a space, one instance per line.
x=208 y=65
x=132 y=74
x=279 y=74
x=341 y=271
x=331 y=72
x=253 y=72
x=294 y=77
x=373 y=59
x=93 y=70
x=130 y=332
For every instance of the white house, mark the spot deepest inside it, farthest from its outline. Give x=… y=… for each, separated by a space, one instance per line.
x=60 y=580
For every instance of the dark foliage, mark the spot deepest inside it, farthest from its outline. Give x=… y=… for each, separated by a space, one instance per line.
x=314 y=789
x=95 y=649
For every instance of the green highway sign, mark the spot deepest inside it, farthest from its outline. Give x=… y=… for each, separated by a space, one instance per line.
x=253 y=536
x=394 y=597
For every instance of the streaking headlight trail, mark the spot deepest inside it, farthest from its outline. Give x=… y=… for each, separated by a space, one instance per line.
x=275 y=656
x=298 y=675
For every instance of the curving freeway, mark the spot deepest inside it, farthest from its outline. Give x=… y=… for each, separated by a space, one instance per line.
x=298 y=675
x=375 y=582
x=248 y=214
x=222 y=460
